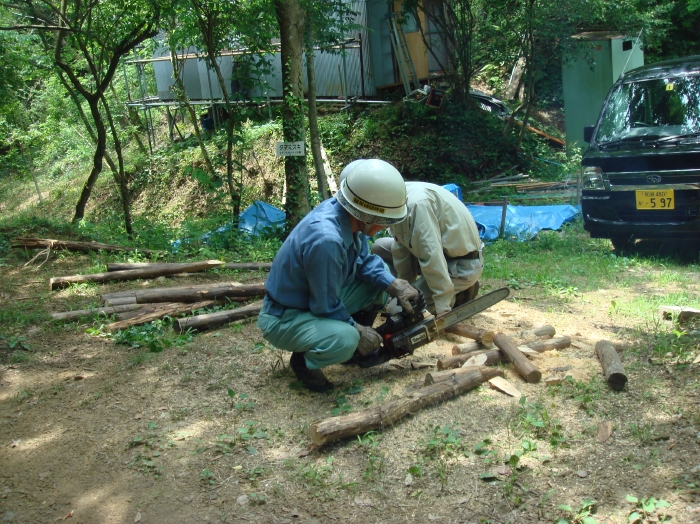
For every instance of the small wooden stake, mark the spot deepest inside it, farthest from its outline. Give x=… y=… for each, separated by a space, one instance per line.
x=520 y=362
x=493 y=356
x=552 y=343
x=612 y=365
x=465 y=330
x=467 y=347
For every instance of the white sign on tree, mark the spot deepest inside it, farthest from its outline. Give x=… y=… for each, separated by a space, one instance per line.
x=290 y=148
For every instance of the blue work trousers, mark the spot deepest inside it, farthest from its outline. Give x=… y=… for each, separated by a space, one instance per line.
x=325 y=341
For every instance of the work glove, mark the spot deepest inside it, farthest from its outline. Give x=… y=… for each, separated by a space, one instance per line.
x=369 y=339
x=404 y=293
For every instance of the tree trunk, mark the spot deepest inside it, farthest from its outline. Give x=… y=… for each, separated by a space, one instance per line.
x=313 y=125
x=100 y=146
x=520 y=362
x=219 y=318
x=86 y=122
x=120 y=175
x=290 y=17
x=134 y=274
x=232 y=290
x=388 y=413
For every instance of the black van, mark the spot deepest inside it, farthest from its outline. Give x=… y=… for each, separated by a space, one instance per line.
x=641 y=171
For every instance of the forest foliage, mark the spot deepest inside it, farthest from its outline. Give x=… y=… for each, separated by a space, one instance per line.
x=62 y=94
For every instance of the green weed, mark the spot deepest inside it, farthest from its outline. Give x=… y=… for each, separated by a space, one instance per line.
x=579 y=515
x=647 y=510
x=533 y=418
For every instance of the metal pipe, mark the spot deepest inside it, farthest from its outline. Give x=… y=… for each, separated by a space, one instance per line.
x=345 y=74
x=362 y=66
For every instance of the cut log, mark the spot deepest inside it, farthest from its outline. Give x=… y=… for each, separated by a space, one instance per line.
x=212 y=320
x=133 y=274
x=84 y=247
x=442 y=376
x=120 y=301
x=682 y=314
x=234 y=291
x=78 y=313
x=467 y=347
x=612 y=365
x=520 y=362
x=552 y=343
x=465 y=330
x=493 y=356
x=161 y=311
x=390 y=412
x=542 y=331
x=122 y=266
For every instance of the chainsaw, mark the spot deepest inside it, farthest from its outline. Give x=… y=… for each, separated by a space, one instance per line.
x=402 y=333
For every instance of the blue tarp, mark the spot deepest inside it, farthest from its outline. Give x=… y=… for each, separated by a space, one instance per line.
x=522 y=222
x=260 y=218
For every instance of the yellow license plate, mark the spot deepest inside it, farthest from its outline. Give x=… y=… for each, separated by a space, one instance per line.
x=657 y=199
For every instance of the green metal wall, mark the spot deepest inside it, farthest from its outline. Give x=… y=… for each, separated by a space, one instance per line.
x=588 y=78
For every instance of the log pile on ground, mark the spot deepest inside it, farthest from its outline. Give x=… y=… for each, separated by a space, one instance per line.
x=138 y=306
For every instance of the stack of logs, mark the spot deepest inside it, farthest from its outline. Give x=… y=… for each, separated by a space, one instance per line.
x=135 y=307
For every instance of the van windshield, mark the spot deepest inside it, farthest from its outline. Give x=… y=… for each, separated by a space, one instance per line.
x=652 y=108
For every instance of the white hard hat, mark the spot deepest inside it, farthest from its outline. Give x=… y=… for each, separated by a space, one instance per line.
x=374 y=192
x=348 y=168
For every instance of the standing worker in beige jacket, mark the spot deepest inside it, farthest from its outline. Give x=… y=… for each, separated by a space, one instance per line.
x=437 y=248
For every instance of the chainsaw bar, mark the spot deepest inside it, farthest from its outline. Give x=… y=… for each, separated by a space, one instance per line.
x=470 y=309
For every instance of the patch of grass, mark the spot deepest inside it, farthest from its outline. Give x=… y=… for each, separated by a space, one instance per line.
x=443 y=445
x=533 y=418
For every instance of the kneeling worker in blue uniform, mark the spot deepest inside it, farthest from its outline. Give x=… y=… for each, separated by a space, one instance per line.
x=324 y=275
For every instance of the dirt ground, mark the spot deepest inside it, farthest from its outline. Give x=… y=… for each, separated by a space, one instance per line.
x=218 y=431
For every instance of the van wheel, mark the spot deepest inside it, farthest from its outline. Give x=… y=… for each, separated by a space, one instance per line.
x=622 y=244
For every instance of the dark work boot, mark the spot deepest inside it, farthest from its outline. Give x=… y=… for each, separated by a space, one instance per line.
x=467 y=295
x=313 y=380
